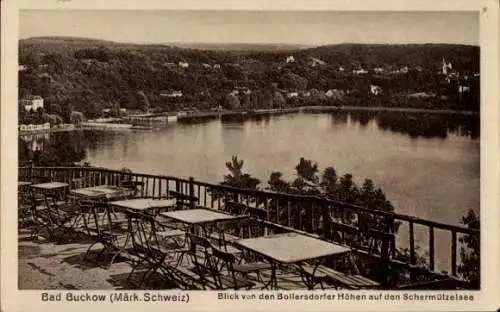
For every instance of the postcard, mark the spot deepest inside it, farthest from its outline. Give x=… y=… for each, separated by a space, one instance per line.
x=250 y=155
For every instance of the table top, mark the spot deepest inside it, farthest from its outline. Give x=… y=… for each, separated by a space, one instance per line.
x=50 y=185
x=98 y=191
x=291 y=247
x=143 y=203
x=199 y=216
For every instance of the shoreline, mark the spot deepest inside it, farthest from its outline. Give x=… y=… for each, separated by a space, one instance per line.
x=257 y=113
x=390 y=109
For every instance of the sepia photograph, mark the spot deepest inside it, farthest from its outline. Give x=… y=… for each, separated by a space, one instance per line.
x=248 y=150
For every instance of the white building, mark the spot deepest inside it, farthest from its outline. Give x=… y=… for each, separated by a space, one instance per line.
x=292 y=94
x=22 y=67
x=378 y=70
x=290 y=59
x=172 y=94
x=316 y=62
x=446 y=67
x=375 y=90
x=335 y=94
x=32 y=102
x=360 y=71
x=183 y=64
x=463 y=89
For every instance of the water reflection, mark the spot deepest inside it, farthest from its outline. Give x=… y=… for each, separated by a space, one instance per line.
x=66 y=147
x=414 y=125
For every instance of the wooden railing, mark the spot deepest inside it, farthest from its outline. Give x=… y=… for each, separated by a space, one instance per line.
x=329 y=219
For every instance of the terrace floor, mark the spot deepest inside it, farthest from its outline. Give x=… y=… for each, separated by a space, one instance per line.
x=50 y=265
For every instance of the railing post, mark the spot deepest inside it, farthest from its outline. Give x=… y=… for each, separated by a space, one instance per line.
x=453 y=253
x=412 y=251
x=177 y=186
x=327 y=222
x=191 y=191
x=431 y=248
x=385 y=251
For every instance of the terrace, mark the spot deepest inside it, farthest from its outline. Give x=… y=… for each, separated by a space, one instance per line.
x=93 y=228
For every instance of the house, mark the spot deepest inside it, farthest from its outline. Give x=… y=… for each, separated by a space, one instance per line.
x=292 y=95
x=32 y=103
x=360 y=71
x=183 y=64
x=216 y=66
x=22 y=67
x=378 y=70
x=44 y=75
x=315 y=62
x=123 y=110
x=290 y=59
x=404 y=70
x=463 y=89
x=375 y=90
x=341 y=68
x=205 y=65
x=172 y=94
x=335 y=94
x=421 y=95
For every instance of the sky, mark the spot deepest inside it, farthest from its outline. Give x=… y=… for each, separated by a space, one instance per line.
x=293 y=27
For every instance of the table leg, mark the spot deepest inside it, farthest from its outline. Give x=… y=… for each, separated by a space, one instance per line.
x=273 y=281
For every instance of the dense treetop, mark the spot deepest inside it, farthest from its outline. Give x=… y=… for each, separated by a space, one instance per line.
x=88 y=75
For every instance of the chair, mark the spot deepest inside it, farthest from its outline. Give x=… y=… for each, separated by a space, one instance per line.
x=355 y=281
x=136 y=187
x=182 y=200
x=224 y=274
x=113 y=238
x=199 y=251
x=144 y=244
x=53 y=214
x=24 y=206
x=64 y=214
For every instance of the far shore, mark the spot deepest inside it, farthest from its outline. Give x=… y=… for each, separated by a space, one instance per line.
x=390 y=109
x=306 y=109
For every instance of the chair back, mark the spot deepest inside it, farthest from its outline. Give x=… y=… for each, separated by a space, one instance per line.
x=223 y=262
x=200 y=252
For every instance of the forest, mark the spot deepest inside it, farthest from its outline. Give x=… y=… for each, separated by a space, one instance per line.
x=86 y=75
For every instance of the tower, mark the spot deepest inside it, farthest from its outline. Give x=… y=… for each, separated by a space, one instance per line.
x=446 y=67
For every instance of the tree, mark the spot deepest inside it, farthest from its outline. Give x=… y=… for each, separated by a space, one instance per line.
x=55 y=109
x=77 y=118
x=307 y=170
x=329 y=181
x=278 y=100
x=277 y=184
x=236 y=177
x=470 y=268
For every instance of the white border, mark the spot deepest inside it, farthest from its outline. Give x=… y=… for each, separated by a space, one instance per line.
x=486 y=300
